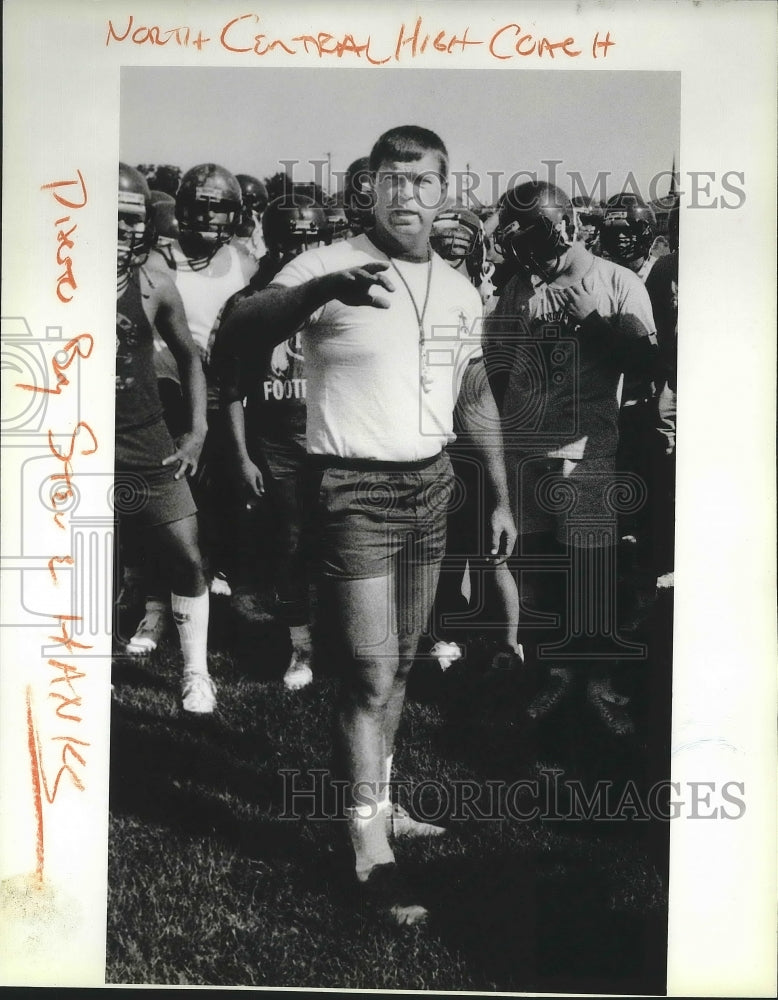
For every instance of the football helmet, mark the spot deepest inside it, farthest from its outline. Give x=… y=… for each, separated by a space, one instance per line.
x=457 y=234
x=628 y=228
x=293 y=223
x=358 y=195
x=208 y=204
x=589 y=215
x=136 y=234
x=337 y=221
x=254 y=201
x=536 y=227
x=163 y=210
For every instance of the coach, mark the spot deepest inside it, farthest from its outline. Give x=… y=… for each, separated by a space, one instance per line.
x=391 y=337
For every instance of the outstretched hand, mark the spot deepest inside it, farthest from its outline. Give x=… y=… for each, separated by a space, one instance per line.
x=357 y=286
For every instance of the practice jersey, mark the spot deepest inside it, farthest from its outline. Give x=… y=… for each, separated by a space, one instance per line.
x=137 y=397
x=272 y=382
x=562 y=393
x=379 y=386
x=203 y=295
x=276 y=400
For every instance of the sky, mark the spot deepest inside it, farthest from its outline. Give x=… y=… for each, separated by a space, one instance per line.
x=498 y=123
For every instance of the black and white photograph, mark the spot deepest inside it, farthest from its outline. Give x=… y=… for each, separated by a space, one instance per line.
x=370 y=521
x=394 y=638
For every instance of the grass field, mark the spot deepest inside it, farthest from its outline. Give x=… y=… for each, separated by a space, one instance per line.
x=209 y=885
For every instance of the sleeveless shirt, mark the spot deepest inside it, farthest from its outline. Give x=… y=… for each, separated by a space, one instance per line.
x=137 y=397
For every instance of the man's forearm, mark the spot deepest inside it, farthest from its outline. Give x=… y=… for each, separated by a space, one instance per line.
x=236 y=429
x=195 y=394
x=275 y=313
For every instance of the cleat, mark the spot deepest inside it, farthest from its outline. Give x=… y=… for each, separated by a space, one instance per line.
x=612 y=713
x=665 y=581
x=387 y=891
x=549 y=698
x=220 y=585
x=199 y=693
x=150 y=631
x=400 y=824
x=445 y=653
x=298 y=674
x=248 y=607
x=508 y=657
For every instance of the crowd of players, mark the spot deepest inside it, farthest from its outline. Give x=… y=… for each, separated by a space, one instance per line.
x=577 y=330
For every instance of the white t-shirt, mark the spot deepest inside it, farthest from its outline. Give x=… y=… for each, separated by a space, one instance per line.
x=376 y=388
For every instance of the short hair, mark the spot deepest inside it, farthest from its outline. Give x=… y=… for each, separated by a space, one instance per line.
x=407 y=143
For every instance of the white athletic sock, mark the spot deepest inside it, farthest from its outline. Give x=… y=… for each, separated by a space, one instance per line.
x=384 y=800
x=367 y=829
x=191 y=618
x=154 y=604
x=300 y=636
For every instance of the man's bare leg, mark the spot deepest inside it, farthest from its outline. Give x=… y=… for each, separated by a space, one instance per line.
x=415 y=594
x=503 y=583
x=367 y=618
x=366 y=615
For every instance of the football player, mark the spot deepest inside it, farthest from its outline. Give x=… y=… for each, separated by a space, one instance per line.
x=248 y=232
x=662 y=287
x=151 y=468
x=207 y=269
x=358 y=196
x=164 y=210
x=589 y=215
x=337 y=222
x=627 y=233
x=565 y=328
x=263 y=396
x=458 y=237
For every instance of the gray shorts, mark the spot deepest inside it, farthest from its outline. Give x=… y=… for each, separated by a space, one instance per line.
x=366 y=517
x=572 y=499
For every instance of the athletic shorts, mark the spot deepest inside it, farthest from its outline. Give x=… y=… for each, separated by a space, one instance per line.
x=366 y=514
x=144 y=489
x=575 y=501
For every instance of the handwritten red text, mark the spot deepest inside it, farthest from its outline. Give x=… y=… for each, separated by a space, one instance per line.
x=66 y=282
x=63 y=494
x=409 y=41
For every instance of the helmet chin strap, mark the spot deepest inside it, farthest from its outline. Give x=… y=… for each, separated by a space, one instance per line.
x=193 y=239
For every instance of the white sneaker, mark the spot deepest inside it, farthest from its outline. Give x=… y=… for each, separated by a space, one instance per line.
x=220 y=586
x=445 y=653
x=298 y=674
x=401 y=824
x=199 y=693
x=149 y=632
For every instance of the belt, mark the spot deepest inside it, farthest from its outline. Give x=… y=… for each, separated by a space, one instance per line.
x=369 y=464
